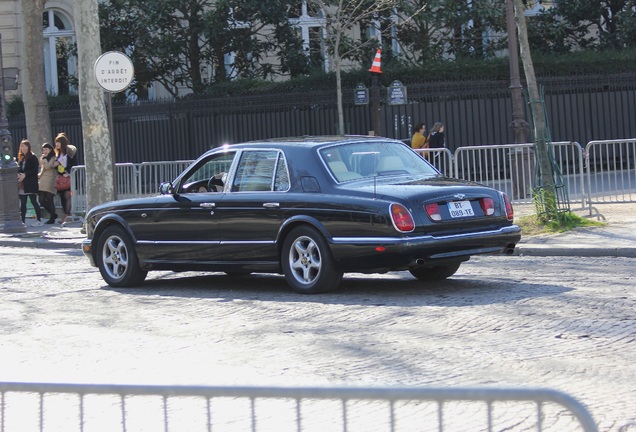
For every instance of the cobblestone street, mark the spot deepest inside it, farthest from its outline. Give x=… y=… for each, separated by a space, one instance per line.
x=563 y=323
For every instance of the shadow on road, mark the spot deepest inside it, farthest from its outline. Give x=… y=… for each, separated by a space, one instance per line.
x=392 y=289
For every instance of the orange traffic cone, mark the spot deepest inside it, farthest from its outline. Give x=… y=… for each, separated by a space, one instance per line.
x=376 y=67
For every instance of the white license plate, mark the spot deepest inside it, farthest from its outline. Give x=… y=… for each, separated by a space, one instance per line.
x=459 y=209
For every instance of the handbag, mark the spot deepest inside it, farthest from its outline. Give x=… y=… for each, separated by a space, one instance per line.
x=62 y=183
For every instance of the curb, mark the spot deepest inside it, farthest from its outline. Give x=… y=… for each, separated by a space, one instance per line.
x=547 y=251
x=42 y=244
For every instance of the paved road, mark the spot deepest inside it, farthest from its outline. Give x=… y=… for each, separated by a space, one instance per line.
x=566 y=323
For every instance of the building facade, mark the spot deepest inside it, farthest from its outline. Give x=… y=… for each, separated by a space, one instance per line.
x=59 y=36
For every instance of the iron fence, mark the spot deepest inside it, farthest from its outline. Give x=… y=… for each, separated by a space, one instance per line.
x=109 y=407
x=474 y=112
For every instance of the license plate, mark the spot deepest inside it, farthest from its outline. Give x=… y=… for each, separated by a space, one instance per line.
x=459 y=209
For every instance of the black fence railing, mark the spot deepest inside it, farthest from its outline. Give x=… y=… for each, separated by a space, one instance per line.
x=579 y=109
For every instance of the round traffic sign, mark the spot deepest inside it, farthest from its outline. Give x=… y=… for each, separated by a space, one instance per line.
x=114 y=71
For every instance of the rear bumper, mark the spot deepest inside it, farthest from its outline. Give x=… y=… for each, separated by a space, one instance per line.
x=368 y=253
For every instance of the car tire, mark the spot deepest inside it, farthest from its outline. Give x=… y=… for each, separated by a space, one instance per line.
x=435 y=273
x=117 y=259
x=307 y=263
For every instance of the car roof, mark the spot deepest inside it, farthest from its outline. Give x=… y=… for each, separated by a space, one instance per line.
x=314 y=141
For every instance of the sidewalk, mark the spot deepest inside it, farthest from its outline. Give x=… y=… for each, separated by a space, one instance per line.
x=617 y=238
x=55 y=236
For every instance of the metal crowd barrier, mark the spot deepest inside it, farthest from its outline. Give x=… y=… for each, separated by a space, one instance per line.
x=441 y=158
x=126 y=186
x=511 y=168
x=602 y=172
x=611 y=171
x=91 y=407
x=152 y=174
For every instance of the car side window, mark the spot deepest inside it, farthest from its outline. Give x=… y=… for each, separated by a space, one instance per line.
x=264 y=170
x=209 y=176
x=281 y=182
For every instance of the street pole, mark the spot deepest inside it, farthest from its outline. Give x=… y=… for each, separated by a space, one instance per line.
x=375 y=104
x=9 y=210
x=519 y=126
x=521 y=159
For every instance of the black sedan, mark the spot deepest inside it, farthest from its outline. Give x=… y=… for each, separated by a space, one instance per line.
x=310 y=208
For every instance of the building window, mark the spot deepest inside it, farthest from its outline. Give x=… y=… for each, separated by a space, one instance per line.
x=59 y=64
x=311 y=27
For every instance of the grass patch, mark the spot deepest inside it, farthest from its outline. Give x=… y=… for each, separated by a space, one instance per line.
x=534 y=225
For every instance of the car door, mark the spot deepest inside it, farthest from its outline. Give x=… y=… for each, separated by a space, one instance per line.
x=250 y=213
x=186 y=221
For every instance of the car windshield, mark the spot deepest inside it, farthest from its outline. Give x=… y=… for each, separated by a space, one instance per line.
x=368 y=159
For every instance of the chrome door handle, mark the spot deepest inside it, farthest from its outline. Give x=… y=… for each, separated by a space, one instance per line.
x=271 y=205
x=207 y=205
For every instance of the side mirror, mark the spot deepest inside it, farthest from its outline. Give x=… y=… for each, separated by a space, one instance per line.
x=166 y=188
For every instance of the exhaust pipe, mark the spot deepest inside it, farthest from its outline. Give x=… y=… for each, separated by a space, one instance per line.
x=510 y=249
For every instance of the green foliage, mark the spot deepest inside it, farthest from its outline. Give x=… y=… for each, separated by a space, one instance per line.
x=580 y=63
x=534 y=225
x=178 y=42
x=584 y=24
x=187 y=43
x=15 y=105
x=441 y=29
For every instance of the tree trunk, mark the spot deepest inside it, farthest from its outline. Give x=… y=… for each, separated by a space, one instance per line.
x=36 y=106
x=341 y=127
x=98 y=155
x=537 y=108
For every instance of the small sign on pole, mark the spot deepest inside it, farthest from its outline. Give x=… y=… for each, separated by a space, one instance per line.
x=397 y=93
x=114 y=71
x=361 y=95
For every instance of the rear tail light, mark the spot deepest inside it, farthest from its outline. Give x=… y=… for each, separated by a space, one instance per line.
x=488 y=206
x=510 y=213
x=432 y=210
x=402 y=219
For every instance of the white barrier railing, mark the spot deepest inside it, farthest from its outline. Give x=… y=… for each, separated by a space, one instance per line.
x=611 y=171
x=441 y=158
x=198 y=408
x=152 y=174
x=511 y=168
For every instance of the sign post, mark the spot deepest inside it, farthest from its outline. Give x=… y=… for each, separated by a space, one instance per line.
x=114 y=72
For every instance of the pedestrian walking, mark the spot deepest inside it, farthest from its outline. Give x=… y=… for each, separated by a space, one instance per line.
x=28 y=181
x=418 y=140
x=47 y=176
x=437 y=140
x=65 y=160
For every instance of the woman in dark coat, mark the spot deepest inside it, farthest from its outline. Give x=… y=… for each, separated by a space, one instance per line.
x=28 y=167
x=65 y=154
x=436 y=138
